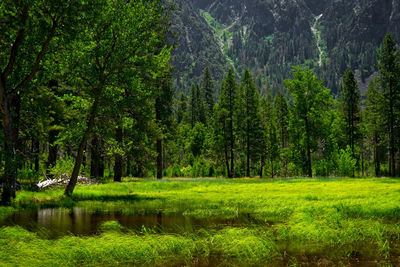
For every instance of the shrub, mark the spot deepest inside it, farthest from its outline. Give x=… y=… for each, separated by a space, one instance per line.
x=62 y=167
x=346 y=163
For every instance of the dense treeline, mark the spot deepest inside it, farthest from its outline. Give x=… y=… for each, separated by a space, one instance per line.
x=301 y=130
x=86 y=90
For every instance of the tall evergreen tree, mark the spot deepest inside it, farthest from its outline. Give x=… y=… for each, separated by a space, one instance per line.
x=389 y=77
x=282 y=119
x=270 y=135
x=248 y=120
x=200 y=106
x=374 y=123
x=193 y=105
x=181 y=109
x=224 y=128
x=163 y=111
x=197 y=110
x=208 y=91
x=350 y=100
x=311 y=101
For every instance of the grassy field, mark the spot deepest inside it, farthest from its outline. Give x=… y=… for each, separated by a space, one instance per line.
x=326 y=221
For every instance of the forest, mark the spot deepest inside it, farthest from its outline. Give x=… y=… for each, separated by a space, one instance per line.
x=87 y=96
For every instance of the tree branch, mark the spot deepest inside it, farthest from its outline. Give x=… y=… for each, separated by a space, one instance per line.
x=16 y=44
x=39 y=58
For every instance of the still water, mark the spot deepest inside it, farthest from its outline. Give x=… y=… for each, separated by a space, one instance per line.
x=57 y=222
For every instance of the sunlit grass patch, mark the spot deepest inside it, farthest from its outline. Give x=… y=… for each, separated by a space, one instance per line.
x=260 y=221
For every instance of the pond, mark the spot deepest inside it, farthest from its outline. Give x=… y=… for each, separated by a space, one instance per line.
x=57 y=222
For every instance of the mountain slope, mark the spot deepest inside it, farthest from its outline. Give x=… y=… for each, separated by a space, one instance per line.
x=270 y=36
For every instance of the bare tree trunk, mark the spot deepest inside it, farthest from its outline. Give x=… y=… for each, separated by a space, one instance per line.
x=74 y=177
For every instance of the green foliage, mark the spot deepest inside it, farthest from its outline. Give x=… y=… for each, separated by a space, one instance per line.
x=346 y=164
x=62 y=167
x=350 y=100
x=308 y=113
x=224 y=123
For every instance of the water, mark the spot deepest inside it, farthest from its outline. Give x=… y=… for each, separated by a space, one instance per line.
x=57 y=222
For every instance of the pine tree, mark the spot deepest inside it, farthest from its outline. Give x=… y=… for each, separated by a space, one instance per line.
x=282 y=118
x=200 y=107
x=270 y=135
x=208 y=91
x=224 y=128
x=193 y=106
x=311 y=101
x=374 y=123
x=350 y=101
x=248 y=120
x=182 y=108
x=389 y=75
x=163 y=111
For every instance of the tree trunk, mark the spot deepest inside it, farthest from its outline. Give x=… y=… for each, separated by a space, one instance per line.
x=53 y=149
x=74 y=177
x=248 y=157
x=227 y=163
x=128 y=166
x=262 y=167
x=118 y=157
x=308 y=150
x=10 y=159
x=37 y=151
x=272 y=168
x=159 y=159
x=94 y=157
x=392 y=152
x=232 y=155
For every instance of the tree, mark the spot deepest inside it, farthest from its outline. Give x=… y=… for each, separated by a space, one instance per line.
x=389 y=77
x=270 y=135
x=248 y=120
x=224 y=128
x=182 y=108
x=118 y=49
x=28 y=32
x=350 y=100
x=282 y=119
x=163 y=110
x=208 y=91
x=311 y=101
x=374 y=122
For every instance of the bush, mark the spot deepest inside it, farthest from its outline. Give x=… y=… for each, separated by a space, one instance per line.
x=176 y=171
x=62 y=167
x=346 y=163
x=321 y=168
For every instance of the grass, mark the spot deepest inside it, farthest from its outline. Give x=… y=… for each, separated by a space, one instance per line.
x=298 y=221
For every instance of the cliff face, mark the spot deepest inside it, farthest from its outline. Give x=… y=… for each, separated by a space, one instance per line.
x=270 y=36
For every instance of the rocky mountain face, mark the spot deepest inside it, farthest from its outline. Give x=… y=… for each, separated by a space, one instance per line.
x=271 y=36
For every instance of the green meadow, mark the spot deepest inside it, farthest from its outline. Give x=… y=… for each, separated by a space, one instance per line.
x=327 y=221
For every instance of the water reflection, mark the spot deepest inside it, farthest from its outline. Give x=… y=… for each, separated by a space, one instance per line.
x=56 y=222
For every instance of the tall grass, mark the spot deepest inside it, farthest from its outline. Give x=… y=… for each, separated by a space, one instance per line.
x=329 y=217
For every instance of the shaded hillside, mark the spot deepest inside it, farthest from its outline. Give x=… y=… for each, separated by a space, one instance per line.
x=270 y=36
